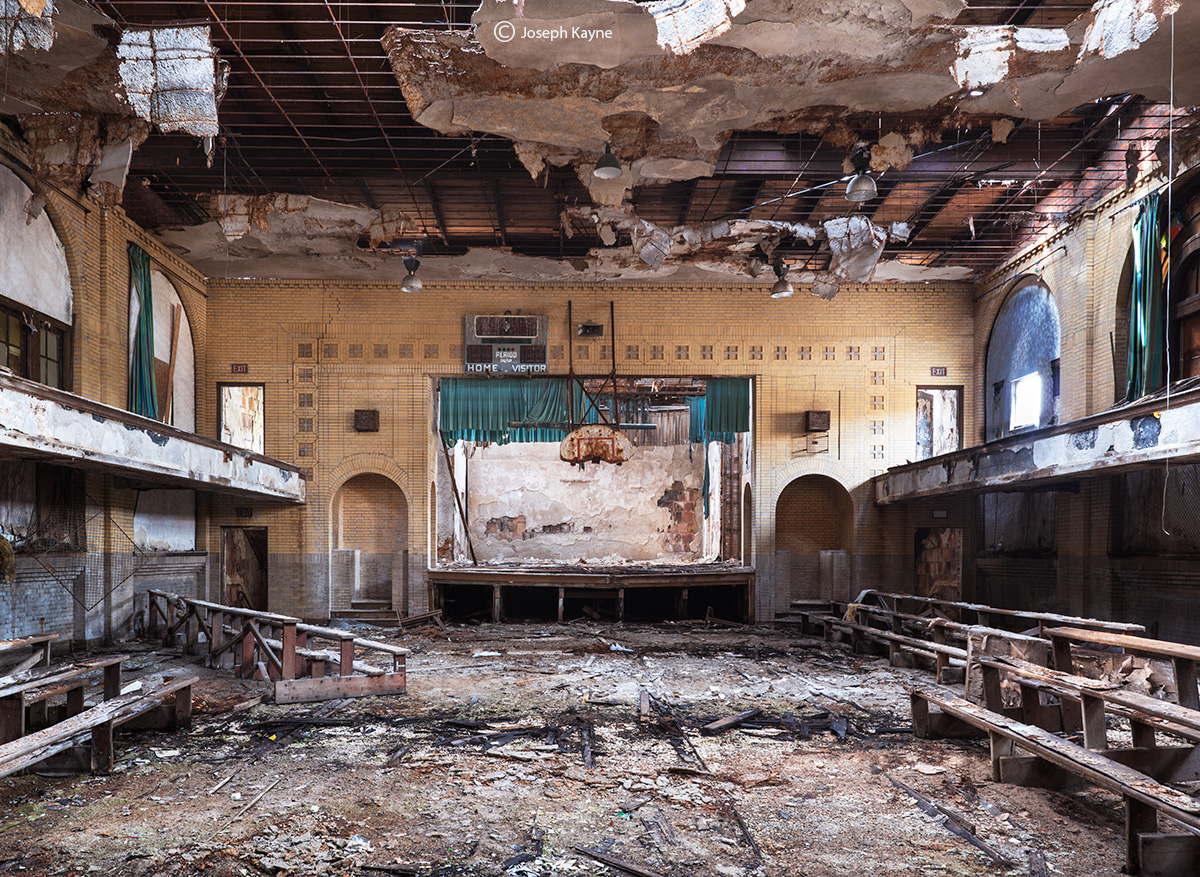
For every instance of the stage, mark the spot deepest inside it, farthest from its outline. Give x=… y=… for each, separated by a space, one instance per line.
x=635 y=592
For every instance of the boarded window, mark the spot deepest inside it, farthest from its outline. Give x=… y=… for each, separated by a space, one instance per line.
x=242 y=411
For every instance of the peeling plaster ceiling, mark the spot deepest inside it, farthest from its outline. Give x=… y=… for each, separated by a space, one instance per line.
x=560 y=79
x=346 y=123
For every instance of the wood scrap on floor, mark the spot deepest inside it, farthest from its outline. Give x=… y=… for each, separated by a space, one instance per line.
x=953 y=822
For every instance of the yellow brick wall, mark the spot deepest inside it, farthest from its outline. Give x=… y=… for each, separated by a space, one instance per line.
x=324 y=349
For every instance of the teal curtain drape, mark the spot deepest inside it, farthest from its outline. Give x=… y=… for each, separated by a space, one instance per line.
x=1146 y=369
x=718 y=416
x=143 y=389
x=727 y=409
x=480 y=410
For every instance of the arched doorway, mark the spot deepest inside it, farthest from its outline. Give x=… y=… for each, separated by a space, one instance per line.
x=814 y=532
x=370 y=540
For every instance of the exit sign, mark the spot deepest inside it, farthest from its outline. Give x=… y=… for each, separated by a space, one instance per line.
x=240 y=368
x=937 y=371
x=244 y=512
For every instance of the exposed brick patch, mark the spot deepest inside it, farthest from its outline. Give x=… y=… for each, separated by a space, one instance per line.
x=682 y=502
x=515 y=529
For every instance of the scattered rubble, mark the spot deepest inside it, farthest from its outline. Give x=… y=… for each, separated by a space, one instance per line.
x=481 y=770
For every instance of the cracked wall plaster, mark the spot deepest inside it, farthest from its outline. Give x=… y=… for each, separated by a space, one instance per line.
x=776 y=67
x=544 y=510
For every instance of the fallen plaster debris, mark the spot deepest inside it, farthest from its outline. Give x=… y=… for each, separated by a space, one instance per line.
x=285 y=216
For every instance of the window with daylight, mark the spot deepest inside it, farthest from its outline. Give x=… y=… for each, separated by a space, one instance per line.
x=1025 y=404
x=1022 y=361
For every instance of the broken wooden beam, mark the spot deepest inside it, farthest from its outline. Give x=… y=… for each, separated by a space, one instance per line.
x=588 y=760
x=952 y=822
x=619 y=864
x=722 y=725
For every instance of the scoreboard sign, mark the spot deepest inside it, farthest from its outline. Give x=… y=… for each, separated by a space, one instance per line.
x=506 y=344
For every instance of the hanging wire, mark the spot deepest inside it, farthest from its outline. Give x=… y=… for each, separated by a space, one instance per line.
x=1170 y=266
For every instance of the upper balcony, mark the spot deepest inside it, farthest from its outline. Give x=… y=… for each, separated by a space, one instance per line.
x=1133 y=436
x=40 y=422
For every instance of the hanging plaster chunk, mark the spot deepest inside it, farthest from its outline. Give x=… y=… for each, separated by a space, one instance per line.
x=1121 y=26
x=170 y=78
x=25 y=25
x=986 y=53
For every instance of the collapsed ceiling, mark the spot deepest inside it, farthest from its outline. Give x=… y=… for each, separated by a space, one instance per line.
x=353 y=131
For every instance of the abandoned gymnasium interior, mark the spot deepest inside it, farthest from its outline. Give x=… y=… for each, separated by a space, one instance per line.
x=672 y=438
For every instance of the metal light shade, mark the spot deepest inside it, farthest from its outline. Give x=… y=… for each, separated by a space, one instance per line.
x=412 y=283
x=861 y=188
x=607 y=168
x=782 y=288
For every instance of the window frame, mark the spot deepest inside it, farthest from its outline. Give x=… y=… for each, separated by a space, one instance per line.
x=221 y=387
x=30 y=357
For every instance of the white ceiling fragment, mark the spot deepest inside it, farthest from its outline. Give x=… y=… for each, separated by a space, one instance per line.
x=684 y=25
x=24 y=26
x=1121 y=26
x=170 y=78
x=986 y=53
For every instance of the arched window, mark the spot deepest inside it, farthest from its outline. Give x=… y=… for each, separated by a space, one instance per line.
x=35 y=288
x=173 y=353
x=1021 y=374
x=1185 y=290
x=1158 y=301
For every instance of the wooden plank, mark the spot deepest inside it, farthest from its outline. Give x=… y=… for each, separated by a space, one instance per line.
x=1145 y=706
x=1139 y=644
x=619 y=864
x=1074 y=620
x=1169 y=855
x=46 y=676
x=28 y=750
x=1095 y=733
x=1185 y=682
x=1096 y=767
x=333 y=687
x=1140 y=818
x=721 y=725
x=12 y=645
x=176 y=318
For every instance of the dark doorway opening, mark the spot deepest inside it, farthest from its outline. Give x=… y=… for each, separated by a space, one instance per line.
x=244 y=567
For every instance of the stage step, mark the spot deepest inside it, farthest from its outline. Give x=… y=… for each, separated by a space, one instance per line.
x=371 y=604
x=379 y=617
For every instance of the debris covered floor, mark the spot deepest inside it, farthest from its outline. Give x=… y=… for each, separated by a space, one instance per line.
x=482 y=770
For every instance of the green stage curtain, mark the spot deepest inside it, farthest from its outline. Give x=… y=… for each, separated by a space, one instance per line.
x=727 y=409
x=1147 y=304
x=143 y=389
x=718 y=416
x=480 y=409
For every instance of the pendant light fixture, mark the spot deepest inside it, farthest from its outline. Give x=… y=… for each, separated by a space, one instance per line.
x=608 y=167
x=412 y=283
x=783 y=286
x=861 y=186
